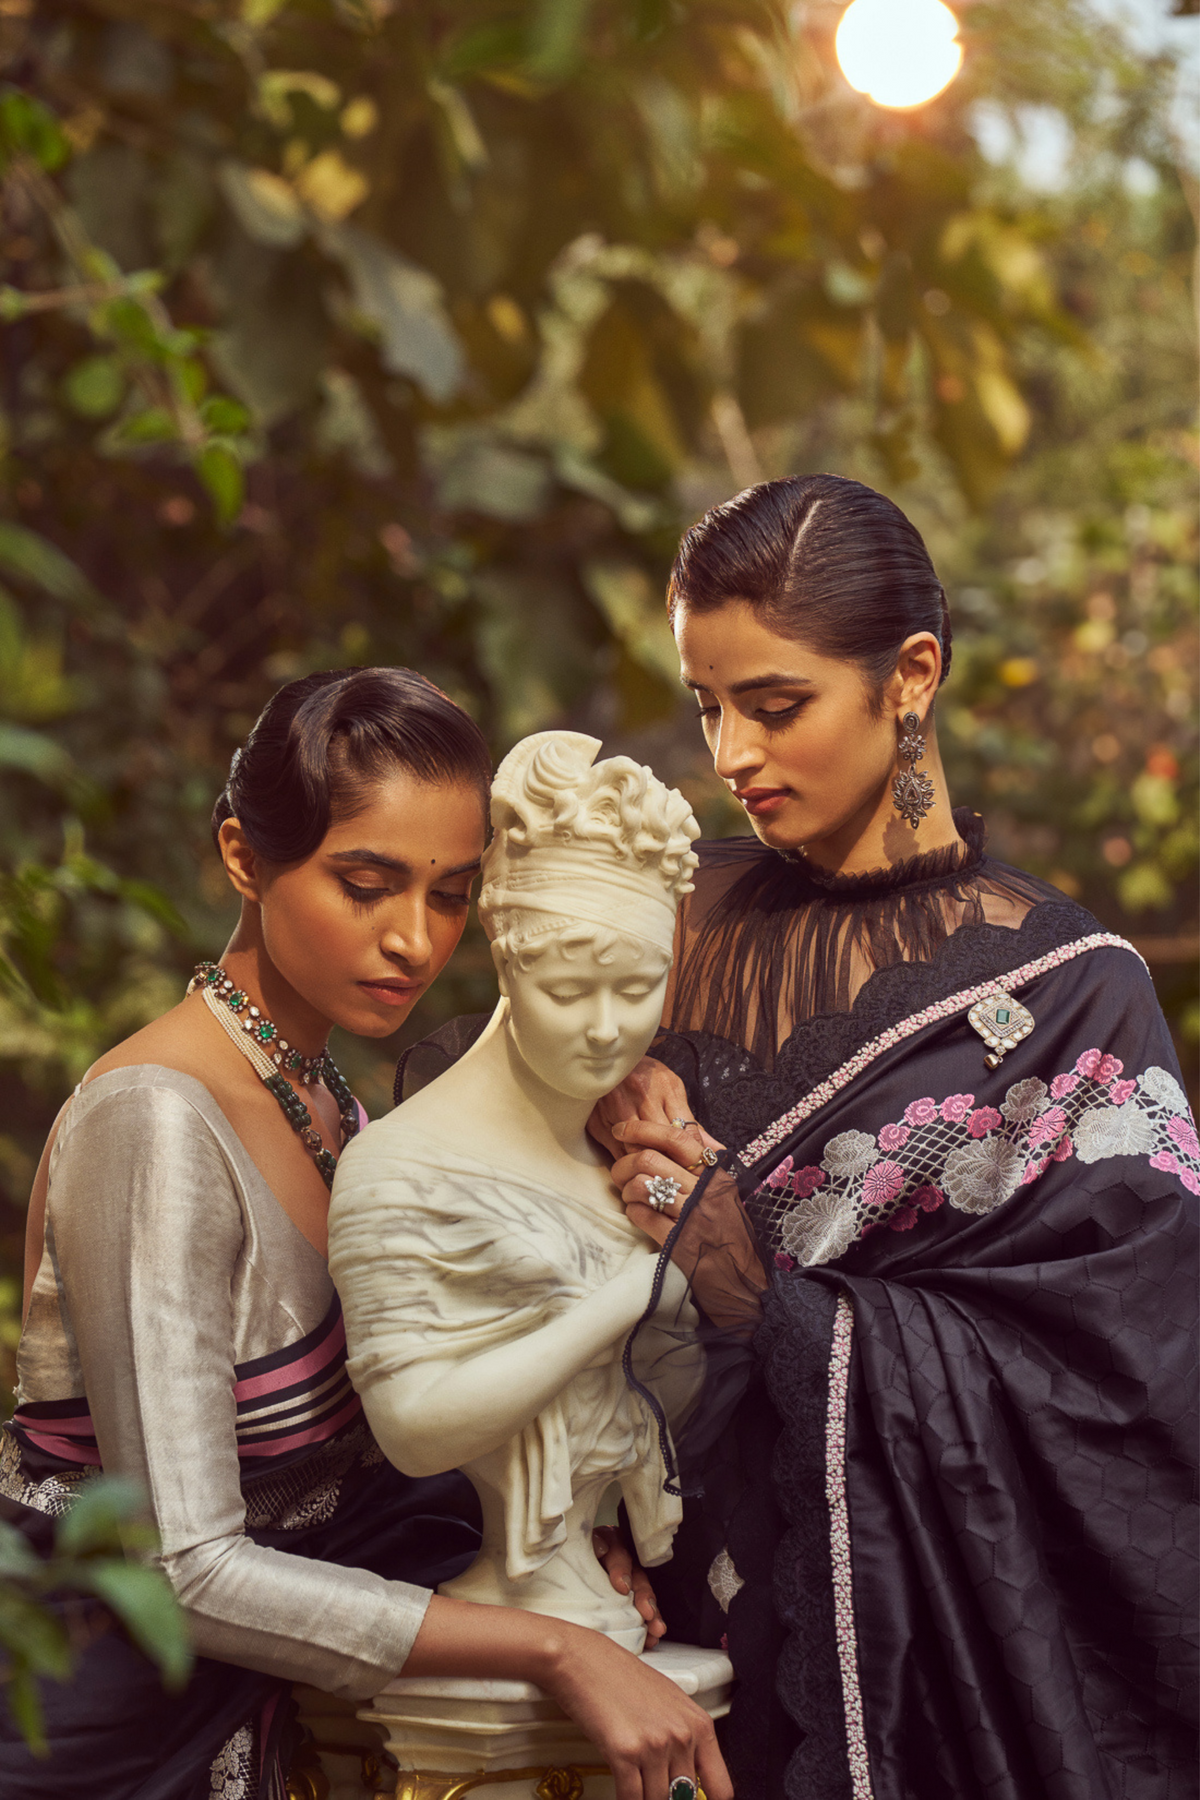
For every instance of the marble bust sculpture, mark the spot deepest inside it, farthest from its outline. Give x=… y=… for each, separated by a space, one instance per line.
x=487 y=1270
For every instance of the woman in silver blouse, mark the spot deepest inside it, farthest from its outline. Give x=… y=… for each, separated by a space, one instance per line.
x=181 y=1326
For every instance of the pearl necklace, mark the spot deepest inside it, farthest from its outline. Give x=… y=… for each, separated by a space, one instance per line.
x=225 y=1002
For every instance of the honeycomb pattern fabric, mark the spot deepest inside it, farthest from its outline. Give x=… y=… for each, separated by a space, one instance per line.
x=1007 y=1412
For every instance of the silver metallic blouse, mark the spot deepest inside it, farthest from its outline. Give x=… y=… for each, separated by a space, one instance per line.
x=183 y=1332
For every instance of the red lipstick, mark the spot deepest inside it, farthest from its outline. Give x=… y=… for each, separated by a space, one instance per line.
x=761 y=800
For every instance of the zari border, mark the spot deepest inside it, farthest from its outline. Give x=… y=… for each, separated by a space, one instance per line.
x=839 y=1548
x=896 y=1034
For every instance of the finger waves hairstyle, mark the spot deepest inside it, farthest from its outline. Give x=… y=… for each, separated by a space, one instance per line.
x=822 y=559
x=322 y=743
x=551 y=800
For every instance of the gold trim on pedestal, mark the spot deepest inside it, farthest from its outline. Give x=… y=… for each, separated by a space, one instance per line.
x=552 y=1784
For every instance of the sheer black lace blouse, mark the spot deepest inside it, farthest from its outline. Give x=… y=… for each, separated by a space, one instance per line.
x=783 y=970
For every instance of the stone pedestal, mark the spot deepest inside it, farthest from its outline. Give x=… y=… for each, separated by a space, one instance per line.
x=499 y=1740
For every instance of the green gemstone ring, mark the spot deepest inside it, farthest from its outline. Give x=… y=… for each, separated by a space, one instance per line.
x=683 y=1788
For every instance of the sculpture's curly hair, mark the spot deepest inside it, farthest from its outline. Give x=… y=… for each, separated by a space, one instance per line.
x=550 y=792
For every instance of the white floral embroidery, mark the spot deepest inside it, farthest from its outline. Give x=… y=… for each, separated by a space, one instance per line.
x=848 y=1154
x=1164 y=1088
x=724 y=1582
x=976 y=1157
x=820 y=1228
x=1114 y=1131
x=232 y=1775
x=1026 y=1100
x=984 y=1175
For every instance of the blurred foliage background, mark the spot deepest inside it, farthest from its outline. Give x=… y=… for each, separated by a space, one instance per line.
x=349 y=331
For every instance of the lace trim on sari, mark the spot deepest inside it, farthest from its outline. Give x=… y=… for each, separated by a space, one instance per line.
x=945 y=1008
x=839 y=1548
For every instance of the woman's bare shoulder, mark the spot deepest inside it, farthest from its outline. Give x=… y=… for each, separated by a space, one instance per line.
x=180 y=1040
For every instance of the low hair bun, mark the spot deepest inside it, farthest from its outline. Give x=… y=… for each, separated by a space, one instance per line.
x=322 y=742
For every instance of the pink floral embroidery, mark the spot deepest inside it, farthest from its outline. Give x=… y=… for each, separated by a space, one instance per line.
x=1062 y=1149
x=1062 y=1085
x=1048 y=1127
x=784 y=1261
x=1110 y=1067
x=779 y=1174
x=1121 y=1090
x=1190 y=1180
x=1184 y=1134
x=955 y=1107
x=928 y=1198
x=1164 y=1161
x=807 y=1181
x=1088 y=1063
x=983 y=1120
x=903 y=1219
x=882 y=1183
x=1035 y=1168
x=921 y=1112
x=893 y=1137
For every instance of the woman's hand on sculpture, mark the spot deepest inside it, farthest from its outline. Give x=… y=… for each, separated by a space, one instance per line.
x=628 y=1577
x=646 y=1730
x=667 y=1152
x=651 y=1092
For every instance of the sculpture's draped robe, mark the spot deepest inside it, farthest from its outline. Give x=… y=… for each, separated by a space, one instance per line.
x=441 y=1257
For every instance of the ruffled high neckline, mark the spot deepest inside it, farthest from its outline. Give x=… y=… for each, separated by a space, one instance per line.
x=947 y=865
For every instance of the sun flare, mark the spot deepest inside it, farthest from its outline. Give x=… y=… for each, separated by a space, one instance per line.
x=899 y=52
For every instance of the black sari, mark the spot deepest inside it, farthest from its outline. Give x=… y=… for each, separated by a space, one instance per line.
x=946 y=1454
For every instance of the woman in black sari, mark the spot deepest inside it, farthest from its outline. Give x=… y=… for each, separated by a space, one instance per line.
x=943 y=1474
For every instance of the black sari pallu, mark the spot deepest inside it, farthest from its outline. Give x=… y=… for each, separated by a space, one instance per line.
x=946 y=1448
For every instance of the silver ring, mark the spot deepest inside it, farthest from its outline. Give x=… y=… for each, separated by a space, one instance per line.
x=686 y=1124
x=683 y=1788
x=662 y=1192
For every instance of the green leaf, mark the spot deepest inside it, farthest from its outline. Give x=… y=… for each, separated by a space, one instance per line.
x=23 y=552
x=145 y=1603
x=34 y=1634
x=405 y=303
x=191 y=378
x=150 y=425
x=556 y=37
x=228 y=417
x=132 y=325
x=34 y=753
x=266 y=206
x=221 y=473
x=99 y=1517
x=95 y=387
x=16 y=1556
x=24 y=1702
x=28 y=125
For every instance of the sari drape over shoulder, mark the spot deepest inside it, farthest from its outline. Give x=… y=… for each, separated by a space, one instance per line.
x=943 y=1473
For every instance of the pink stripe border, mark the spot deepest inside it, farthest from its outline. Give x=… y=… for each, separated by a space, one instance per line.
x=896 y=1034
x=287 y=1374
x=315 y=1434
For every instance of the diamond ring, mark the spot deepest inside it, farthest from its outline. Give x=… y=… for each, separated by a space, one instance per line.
x=662 y=1192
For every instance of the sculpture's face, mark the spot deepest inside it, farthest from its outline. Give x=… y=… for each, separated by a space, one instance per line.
x=581 y=1015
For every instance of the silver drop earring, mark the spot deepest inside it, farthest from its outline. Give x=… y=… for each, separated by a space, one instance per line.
x=912 y=790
